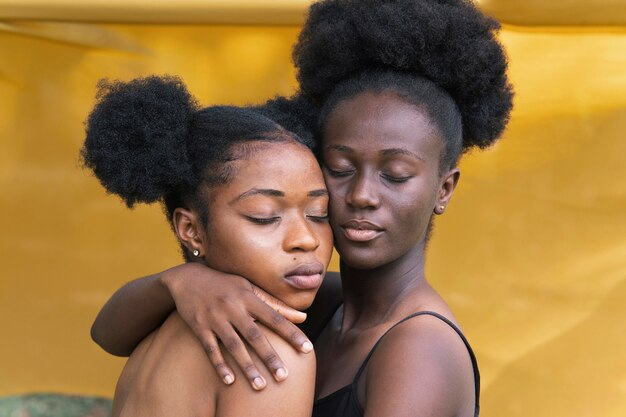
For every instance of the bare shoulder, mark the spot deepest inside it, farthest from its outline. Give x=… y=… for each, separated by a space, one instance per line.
x=174 y=376
x=425 y=365
x=291 y=397
x=129 y=373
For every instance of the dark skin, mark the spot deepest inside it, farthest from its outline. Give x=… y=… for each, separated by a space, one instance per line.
x=381 y=165
x=384 y=172
x=269 y=220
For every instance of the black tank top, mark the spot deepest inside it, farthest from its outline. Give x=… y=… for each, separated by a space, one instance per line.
x=345 y=403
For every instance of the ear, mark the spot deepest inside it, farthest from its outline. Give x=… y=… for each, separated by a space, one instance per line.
x=189 y=230
x=446 y=187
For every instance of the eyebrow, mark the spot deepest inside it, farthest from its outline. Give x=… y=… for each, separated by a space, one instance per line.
x=322 y=192
x=384 y=152
x=340 y=148
x=400 y=151
x=260 y=191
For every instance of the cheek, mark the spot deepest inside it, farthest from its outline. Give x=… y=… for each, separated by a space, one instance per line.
x=334 y=202
x=413 y=208
x=411 y=205
x=241 y=249
x=411 y=217
x=259 y=241
x=336 y=195
x=325 y=236
x=424 y=193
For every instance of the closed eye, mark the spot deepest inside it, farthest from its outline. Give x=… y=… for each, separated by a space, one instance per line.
x=334 y=173
x=263 y=220
x=395 y=179
x=319 y=219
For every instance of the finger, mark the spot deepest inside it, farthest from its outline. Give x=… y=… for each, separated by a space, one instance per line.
x=281 y=326
x=237 y=349
x=212 y=348
x=255 y=338
x=289 y=313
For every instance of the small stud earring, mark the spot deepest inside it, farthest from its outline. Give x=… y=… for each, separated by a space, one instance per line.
x=442 y=208
x=196 y=252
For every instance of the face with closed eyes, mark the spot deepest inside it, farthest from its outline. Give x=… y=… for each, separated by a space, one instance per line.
x=381 y=163
x=269 y=223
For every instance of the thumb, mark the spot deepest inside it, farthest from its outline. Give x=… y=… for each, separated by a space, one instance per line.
x=290 y=314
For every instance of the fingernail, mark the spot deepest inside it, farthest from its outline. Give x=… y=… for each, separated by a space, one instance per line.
x=228 y=379
x=258 y=382
x=281 y=373
x=307 y=347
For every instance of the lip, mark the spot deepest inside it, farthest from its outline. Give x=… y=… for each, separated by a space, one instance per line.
x=307 y=276
x=361 y=230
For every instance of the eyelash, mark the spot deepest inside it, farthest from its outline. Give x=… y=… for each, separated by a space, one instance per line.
x=341 y=174
x=398 y=180
x=271 y=220
x=319 y=219
x=263 y=221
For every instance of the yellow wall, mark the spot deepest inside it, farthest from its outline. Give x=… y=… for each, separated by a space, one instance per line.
x=531 y=255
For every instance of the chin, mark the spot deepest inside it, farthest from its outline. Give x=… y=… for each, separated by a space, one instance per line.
x=300 y=301
x=360 y=258
x=364 y=264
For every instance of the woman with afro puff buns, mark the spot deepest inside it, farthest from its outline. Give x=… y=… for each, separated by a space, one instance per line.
x=401 y=90
x=243 y=195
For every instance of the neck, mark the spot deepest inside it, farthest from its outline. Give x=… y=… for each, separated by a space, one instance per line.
x=371 y=296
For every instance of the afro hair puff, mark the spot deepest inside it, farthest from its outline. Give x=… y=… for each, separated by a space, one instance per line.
x=136 y=137
x=449 y=42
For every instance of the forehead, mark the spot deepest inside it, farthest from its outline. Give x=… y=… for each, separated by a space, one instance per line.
x=288 y=165
x=372 y=122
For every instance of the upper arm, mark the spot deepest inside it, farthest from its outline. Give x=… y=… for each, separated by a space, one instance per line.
x=327 y=299
x=292 y=397
x=421 y=368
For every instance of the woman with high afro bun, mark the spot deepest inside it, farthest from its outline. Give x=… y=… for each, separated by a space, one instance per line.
x=401 y=89
x=243 y=196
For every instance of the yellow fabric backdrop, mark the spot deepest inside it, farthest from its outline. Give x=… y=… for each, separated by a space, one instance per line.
x=531 y=254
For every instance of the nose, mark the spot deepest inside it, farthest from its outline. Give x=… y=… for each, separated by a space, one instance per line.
x=300 y=236
x=362 y=193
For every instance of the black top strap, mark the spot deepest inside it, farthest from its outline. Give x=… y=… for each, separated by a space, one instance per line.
x=455 y=328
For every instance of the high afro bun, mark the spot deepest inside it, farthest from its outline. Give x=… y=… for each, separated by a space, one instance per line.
x=449 y=42
x=136 y=137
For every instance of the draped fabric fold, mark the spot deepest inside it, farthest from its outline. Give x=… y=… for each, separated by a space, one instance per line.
x=291 y=12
